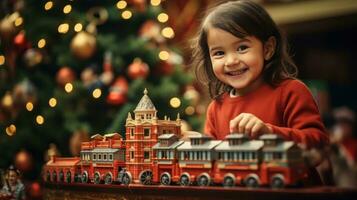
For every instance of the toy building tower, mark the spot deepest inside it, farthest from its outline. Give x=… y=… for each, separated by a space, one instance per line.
x=142 y=134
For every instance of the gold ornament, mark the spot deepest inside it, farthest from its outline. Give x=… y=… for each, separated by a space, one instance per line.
x=7 y=26
x=83 y=45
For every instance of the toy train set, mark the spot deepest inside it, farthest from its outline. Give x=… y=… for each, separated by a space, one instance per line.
x=154 y=153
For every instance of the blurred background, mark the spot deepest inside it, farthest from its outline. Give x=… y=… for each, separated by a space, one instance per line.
x=70 y=69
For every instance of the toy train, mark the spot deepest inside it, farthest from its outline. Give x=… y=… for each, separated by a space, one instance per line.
x=153 y=153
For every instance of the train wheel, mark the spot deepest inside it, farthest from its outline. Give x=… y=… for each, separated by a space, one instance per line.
x=203 y=180
x=126 y=180
x=165 y=178
x=68 y=177
x=61 y=176
x=146 y=177
x=108 y=178
x=277 y=181
x=84 y=177
x=96 y=178
x=228 y=181
x=185 y=179
x=252 y=182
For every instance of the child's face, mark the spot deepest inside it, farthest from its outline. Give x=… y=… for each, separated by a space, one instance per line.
x=12 y=178
x=237 y=62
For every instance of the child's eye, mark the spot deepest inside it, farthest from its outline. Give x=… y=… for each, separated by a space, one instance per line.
x=218 y=53
x=242 y=48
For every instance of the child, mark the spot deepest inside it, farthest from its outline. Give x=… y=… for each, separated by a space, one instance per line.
x=13 y=186
x=242 y=57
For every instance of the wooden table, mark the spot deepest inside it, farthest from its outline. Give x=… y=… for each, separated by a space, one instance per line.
x=138 y=192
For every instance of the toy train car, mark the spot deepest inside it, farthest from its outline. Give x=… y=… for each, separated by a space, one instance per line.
x=153 y=153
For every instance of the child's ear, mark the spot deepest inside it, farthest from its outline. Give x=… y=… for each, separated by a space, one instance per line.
x=269 y=48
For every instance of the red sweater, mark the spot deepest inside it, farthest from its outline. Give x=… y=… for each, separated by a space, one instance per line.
x=288 y=108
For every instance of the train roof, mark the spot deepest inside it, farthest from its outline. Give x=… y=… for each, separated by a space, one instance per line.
x=281 y=146
x=172 y=146
x=104 y=150
x=63 y=162
x=166 y=136
x=208 y=145
x=270 y=137
x=252 y=145
x=236 y=136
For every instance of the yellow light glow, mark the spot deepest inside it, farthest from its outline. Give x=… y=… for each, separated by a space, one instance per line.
x=126 y=14
x=41 y=43
x=48 y=5
x=168 y=32
x=162 y=17
x=175 y=102
x=52 y=102
x=190 y=110
x=2 y=59
x=164 y=55
x=19 y=21
x=7 y=100
x=155 y=2
x=68 y=87
x=97 y=93
x=67 y=9
x=121 y=4
x=11 y=130
x=63 y=28
x=40 y=120
x=29 y=106
x=78 y=27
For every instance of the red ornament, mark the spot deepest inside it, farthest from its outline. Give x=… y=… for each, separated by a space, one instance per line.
x=138 y=69
x=23 y=161
x=35 y=191
x=151 y=30
x=20 y=41
x=65 y=75
x=118 y=92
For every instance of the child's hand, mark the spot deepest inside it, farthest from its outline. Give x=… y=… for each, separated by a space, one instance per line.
x=249 y=124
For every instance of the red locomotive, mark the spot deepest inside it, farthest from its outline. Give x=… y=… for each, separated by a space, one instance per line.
x=153 y=153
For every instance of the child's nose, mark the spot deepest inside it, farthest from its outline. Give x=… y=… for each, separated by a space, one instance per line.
x=232 y=59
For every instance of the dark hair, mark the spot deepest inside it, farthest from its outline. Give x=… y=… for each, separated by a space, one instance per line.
x=14 y=169
x=241 y=18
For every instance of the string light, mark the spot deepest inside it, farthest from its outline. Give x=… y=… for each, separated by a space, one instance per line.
x=67 y=9
x=164 y=55
x=190 y=110
x=97 y=93
x=68 y=87
x=168 y=32
x=48 y=5
x=121 y=4
x=10 y=130
x=41 y=43
x=162 y=17
x=2 y=59
x=155 y=2
x=29 y=106
x=63 y=28
x=19 y=21
x=126 y=14
x=52 y=102
x=40 y=120
x=7 y=100
x=175 y=102
x=78 y=27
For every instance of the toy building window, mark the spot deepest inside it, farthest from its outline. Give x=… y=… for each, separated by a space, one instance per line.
x=94 y=156
x=277 y=155
x=104 y=157
x=131 y=132
x=148 y=116
x=110 y=157
x=147 y=155
x=99 y=157
x=146 y=132
x=131 y=155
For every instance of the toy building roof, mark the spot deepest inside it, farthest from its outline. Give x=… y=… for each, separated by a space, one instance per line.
x=166 y=136
x=282 y=146
x=104 y=150
x=113 y=135
x=251 y=145
x=236 y=136
x=194 y=134
x=206 y=146
x=63 y=161
x=172 y=146
x=145 y=103
x=97 y=137
x=270 y=137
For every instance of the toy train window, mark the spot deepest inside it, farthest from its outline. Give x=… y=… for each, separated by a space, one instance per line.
x=110 y=157
x=94 y=156
x=273 y=156
x=131 y=155
x=99 y=157
x=195 y=155
x=104 y=157
x=235 y=156
x=146 y=132
x=165 y=154
x=146 y=155
x=131 y=132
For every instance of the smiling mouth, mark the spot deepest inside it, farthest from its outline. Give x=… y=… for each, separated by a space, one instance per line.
x=237 y=72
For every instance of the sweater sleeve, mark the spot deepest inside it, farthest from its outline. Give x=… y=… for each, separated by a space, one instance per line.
x=210 y=121
x=301 y=117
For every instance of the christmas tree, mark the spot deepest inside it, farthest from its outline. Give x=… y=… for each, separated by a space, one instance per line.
x=70 y=69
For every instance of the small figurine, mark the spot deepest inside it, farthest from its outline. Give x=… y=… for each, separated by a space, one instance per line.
x=13 y=188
